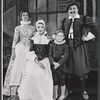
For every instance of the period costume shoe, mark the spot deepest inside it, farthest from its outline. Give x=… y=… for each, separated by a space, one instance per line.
x=85 y=95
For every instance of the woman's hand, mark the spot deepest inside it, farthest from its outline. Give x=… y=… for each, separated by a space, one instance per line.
x=39 y=63
x=13 y=54
x=84 y=38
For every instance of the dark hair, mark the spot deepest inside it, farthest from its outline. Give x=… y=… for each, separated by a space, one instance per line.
x=59 y=31
x=72 y=2
x=23 y=11
x=72 y=5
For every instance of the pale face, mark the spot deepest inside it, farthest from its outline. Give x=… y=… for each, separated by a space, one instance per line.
x=40 y=28
x=59 y=37
x=73 y=10
x=25 y=16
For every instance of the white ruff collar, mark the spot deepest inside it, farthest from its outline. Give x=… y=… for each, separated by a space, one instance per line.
x=25 y=22
x=77 y=16
x=59 y=42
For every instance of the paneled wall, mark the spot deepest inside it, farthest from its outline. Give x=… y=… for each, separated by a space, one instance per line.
x=52 y=12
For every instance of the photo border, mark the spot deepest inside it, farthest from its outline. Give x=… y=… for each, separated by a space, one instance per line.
x=98 y=49
x=1 y=48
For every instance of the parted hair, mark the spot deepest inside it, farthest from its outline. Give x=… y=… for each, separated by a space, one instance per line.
x=23 y=11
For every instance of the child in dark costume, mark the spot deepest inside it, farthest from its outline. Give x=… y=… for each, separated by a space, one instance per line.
x=37 y=83
x=58 y=56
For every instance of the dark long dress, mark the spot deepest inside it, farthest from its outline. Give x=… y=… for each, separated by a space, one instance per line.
x=37 y=83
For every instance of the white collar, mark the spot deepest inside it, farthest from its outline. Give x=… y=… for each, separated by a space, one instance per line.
x=44 y=40
x=77 y=16
x=25 y=22
x=60 y=42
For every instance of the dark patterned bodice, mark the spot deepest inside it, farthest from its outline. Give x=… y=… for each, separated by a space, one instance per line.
x=41 y=50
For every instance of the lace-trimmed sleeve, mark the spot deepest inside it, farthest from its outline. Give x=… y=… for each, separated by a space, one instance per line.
x=16 y=37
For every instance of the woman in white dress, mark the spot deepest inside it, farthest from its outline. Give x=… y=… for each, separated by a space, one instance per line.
x=37 y=83
x=20 y=47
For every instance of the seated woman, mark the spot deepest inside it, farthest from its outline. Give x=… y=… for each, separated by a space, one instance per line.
x=37 y=83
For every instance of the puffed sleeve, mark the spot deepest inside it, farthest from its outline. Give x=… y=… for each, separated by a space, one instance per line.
x=65 y=56
x=16 y=37
x=51 y=54
x=31 y=56
x=90 y=24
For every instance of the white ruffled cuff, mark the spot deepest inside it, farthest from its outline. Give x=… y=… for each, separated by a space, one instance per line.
x=31 y=56
x=90 y=36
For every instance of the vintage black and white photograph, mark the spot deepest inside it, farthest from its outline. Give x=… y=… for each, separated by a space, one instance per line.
x=50 y=50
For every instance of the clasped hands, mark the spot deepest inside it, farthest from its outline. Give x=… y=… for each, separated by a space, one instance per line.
x=56 y=65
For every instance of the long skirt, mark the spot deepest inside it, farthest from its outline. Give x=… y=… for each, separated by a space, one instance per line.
x=13 y=73
x=36 y=83
x=78 y=63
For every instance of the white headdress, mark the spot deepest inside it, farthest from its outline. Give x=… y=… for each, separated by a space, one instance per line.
x=40 y=21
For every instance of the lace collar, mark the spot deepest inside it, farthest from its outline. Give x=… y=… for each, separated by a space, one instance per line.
x=59 y=42
x=25 y=22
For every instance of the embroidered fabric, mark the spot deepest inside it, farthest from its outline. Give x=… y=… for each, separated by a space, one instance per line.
x=21 y=43
x=23 y=34
x=7 y=90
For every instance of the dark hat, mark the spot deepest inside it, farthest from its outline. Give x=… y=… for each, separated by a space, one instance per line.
x=72 y=2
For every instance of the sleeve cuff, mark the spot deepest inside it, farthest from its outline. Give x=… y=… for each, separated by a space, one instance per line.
x=90 y=36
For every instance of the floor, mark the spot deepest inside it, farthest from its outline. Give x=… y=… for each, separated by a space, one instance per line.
x=74 y=96
x=77 y=96
x=91 y=87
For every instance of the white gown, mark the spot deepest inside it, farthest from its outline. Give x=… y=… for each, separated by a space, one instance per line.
x=21 y=43
x=37 y=83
